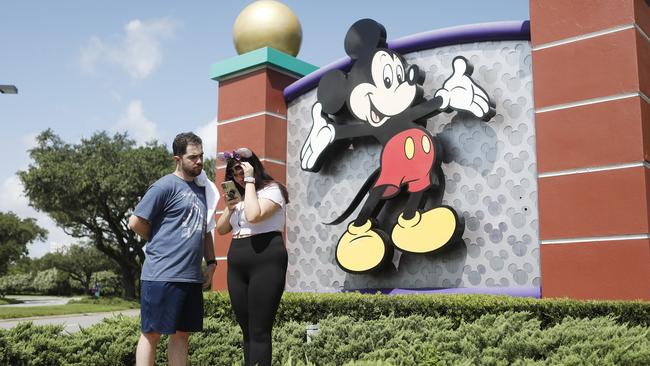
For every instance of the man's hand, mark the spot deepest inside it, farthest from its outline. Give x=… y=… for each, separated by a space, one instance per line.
x=321 y=135
x=460 y=92
x=208 y=274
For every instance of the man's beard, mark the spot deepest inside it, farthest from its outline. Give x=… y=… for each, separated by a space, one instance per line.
x=193 y=172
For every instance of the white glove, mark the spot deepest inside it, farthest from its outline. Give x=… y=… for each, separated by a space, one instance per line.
x=321 y=135
x=460 y=92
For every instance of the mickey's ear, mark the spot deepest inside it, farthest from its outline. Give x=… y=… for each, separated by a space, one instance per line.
x=364 y=37
x=332 y=91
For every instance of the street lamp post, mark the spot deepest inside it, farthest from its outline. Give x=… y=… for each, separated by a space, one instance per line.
x=8 y=89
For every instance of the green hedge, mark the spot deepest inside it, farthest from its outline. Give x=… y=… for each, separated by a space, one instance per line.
x=309 y=307
x=492 y=339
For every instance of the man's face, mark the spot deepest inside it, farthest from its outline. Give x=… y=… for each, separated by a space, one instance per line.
x=192 y=161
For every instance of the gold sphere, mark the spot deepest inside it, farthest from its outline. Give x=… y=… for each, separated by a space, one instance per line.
x=267 y=23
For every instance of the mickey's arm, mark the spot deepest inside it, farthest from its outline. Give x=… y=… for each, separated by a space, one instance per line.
x=426 y=109
x=460 y=92
x=323 y=133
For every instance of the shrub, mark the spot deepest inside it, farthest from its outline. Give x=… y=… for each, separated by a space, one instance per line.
x=9 y=354
x=310 y=308
x=51 y=282
x=511 y=338
x=37 y=345
x=16 y=284
x=109 y=283
x=219 y=345
x=110 y=343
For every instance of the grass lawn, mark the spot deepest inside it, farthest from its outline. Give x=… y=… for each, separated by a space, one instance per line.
x=73 y=307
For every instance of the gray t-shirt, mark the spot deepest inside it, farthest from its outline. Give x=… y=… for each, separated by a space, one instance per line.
x=176 y=210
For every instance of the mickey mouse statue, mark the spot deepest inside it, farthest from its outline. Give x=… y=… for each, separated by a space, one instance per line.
x=384 y=95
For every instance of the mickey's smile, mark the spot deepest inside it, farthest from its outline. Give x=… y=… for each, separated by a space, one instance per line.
x=376 y=117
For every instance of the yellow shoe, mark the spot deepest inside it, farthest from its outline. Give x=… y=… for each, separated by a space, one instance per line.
x=361 y=249
x=425 y=232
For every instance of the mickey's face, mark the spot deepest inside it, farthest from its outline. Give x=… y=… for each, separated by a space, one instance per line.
x=391 y=90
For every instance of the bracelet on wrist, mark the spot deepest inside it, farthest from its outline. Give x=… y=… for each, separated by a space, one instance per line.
x=249 y=180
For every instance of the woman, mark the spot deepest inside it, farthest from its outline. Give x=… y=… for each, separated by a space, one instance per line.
x=257 y=258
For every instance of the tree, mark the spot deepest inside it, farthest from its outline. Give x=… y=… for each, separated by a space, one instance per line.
x=90 y=189
x=15 y=234
x=210 y=167
x=21 y=266
x=79 y=261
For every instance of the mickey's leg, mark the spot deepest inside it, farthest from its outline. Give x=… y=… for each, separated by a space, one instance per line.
x=424 y=232
x=414 y=202
x=363 y=247
x=372 y=204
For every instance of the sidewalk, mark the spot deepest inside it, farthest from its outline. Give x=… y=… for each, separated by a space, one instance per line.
x=31 y=300
x=72 y=322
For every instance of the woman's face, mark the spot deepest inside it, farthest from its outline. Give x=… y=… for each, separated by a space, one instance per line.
x=238 y=175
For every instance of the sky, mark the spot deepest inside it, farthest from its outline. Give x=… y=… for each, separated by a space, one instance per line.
x=143 y=67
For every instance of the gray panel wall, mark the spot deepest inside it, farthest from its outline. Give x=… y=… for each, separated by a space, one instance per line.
x=491 y=181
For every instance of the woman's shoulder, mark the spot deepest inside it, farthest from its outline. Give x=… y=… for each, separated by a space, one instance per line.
x=270 y=186
x=271 y=191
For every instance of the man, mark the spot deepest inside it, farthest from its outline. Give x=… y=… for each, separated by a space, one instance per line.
x=173 y=217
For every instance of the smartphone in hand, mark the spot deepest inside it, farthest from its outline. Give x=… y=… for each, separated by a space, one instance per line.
x=230 y=190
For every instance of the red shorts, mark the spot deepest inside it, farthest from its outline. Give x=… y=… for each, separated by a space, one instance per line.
x=407 y=158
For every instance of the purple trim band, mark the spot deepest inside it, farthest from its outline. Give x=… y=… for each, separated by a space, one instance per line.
x=482 y=32
x=509 y=291
x=534 y=292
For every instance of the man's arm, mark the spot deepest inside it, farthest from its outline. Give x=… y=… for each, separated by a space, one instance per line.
x=208 y=254
x=140 y=226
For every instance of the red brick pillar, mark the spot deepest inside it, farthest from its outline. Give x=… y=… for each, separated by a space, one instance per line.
x=252 y=113
x=591 y=70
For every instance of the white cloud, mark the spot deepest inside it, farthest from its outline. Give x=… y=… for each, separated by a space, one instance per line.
x=208 y=133
x=138 y=51
x=12 y=198
x=138 y=126
x=91 y=53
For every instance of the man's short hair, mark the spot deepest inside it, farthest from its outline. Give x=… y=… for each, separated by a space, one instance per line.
x=181 y=141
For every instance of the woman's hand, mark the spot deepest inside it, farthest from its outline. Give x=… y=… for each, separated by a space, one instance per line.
x=248 y=169
x=231 y=203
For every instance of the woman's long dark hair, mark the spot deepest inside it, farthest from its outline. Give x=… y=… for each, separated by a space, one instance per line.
x=262 y=178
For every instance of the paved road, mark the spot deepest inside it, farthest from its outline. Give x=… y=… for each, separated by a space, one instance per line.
x=39 y=300
x=72 y=322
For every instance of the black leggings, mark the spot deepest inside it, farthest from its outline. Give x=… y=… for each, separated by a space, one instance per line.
x=257 y=267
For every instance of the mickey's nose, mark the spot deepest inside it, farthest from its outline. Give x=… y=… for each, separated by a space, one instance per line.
x=412 y=75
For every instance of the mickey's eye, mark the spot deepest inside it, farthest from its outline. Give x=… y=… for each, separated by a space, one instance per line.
x=400 y=74
x=388 y=76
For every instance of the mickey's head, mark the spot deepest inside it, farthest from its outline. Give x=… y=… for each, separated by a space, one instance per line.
x=380 y=84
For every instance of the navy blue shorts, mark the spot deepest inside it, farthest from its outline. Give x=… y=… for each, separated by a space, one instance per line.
x=167 y=307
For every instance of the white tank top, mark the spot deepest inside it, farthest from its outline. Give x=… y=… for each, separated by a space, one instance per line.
x=241 y=226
